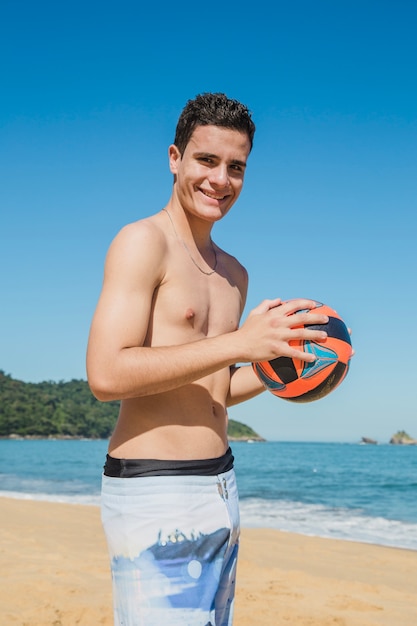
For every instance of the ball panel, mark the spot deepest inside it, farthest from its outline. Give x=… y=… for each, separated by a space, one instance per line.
x=335 y=328
x=302 y=386
x=325 y=357
x=324 y=388
x=285 y=369
x=268 y=381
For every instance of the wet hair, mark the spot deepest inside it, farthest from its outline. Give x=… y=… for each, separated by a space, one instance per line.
x=212 y=109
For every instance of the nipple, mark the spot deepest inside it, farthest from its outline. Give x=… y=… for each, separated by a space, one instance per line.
x=189 y=314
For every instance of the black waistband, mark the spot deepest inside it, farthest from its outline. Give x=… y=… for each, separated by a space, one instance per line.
x=134 y=468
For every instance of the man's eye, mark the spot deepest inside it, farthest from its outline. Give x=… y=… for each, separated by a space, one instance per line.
x=237 y=170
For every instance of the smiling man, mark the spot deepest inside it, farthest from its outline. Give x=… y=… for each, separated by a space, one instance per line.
x=164 y=340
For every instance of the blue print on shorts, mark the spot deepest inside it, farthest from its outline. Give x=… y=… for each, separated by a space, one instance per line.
x=178 y=571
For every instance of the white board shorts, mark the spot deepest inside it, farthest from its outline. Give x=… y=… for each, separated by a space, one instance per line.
x=173 y=545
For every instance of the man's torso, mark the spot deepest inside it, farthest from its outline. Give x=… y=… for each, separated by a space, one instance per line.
x=189 y=422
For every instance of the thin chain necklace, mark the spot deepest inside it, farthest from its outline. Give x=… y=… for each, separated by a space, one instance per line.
x=188 y=251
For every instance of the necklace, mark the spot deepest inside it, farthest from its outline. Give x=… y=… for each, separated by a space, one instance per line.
x=188 y=251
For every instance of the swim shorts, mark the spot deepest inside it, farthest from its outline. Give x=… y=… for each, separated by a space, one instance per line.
x=173 y=544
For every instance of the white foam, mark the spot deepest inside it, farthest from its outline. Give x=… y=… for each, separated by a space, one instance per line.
x=321 y=521
x=296 y=517
x=93 y=500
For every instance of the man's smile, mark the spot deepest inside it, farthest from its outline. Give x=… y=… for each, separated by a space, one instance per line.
x=212 y=195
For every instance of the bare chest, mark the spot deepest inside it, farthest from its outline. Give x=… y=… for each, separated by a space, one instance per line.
x=188 y=306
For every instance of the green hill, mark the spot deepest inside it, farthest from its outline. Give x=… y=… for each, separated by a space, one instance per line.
x=240 y=432
x=65 y=409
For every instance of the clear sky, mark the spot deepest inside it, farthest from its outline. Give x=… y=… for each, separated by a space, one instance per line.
x=90 y=95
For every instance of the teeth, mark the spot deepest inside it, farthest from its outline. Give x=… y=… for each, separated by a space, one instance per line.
x=209 y=195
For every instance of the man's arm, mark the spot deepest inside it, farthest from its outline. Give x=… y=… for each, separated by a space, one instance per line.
x=119 y=365
x=244 y=385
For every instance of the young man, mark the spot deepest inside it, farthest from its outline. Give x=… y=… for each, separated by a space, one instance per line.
x=164 y=340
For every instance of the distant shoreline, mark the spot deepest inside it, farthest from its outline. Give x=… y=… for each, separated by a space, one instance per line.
x=79 y=438
x=254 y=439
x=52 y=438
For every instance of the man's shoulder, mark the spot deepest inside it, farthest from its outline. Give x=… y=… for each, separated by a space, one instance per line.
x=141 y=232
x=149 y=225
x=233 y=265
x=140 y=244
x=228 y=258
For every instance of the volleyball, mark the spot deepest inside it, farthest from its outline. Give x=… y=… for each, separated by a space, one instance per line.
x=299 y=381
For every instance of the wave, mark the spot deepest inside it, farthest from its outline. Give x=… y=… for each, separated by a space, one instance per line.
x=321 y=521
x=305 y=519
x=90 y=499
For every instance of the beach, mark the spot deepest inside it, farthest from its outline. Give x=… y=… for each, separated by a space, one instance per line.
x=56 y=573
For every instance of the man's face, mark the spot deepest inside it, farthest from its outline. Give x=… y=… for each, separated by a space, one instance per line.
x=209 y=174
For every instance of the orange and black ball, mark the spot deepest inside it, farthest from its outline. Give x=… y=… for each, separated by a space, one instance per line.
x=301 y=381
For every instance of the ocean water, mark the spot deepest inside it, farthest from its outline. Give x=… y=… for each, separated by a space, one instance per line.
x=346 y=491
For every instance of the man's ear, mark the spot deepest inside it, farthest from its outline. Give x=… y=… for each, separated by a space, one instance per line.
x=174 y=158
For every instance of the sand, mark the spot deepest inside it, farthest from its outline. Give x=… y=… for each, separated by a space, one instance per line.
x=55 y=573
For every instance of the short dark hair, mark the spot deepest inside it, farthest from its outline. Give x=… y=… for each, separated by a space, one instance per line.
x=212 y=109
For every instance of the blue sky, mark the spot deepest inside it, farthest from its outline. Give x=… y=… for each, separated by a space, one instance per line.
x=90 y=95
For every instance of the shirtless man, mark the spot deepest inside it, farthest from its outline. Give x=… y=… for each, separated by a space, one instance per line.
x=165 y=340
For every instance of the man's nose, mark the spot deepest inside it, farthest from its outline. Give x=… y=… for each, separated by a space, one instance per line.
x=220 y=176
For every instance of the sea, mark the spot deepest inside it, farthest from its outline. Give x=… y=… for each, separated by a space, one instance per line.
x=365 y=493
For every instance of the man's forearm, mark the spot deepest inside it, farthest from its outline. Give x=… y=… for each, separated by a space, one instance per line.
x=141 y=371
x=244 y=385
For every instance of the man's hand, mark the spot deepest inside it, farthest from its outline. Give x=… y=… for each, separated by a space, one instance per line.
x=273 y=324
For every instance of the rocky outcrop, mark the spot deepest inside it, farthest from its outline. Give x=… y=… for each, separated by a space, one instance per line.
x=369 y=441
x=401 y=438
